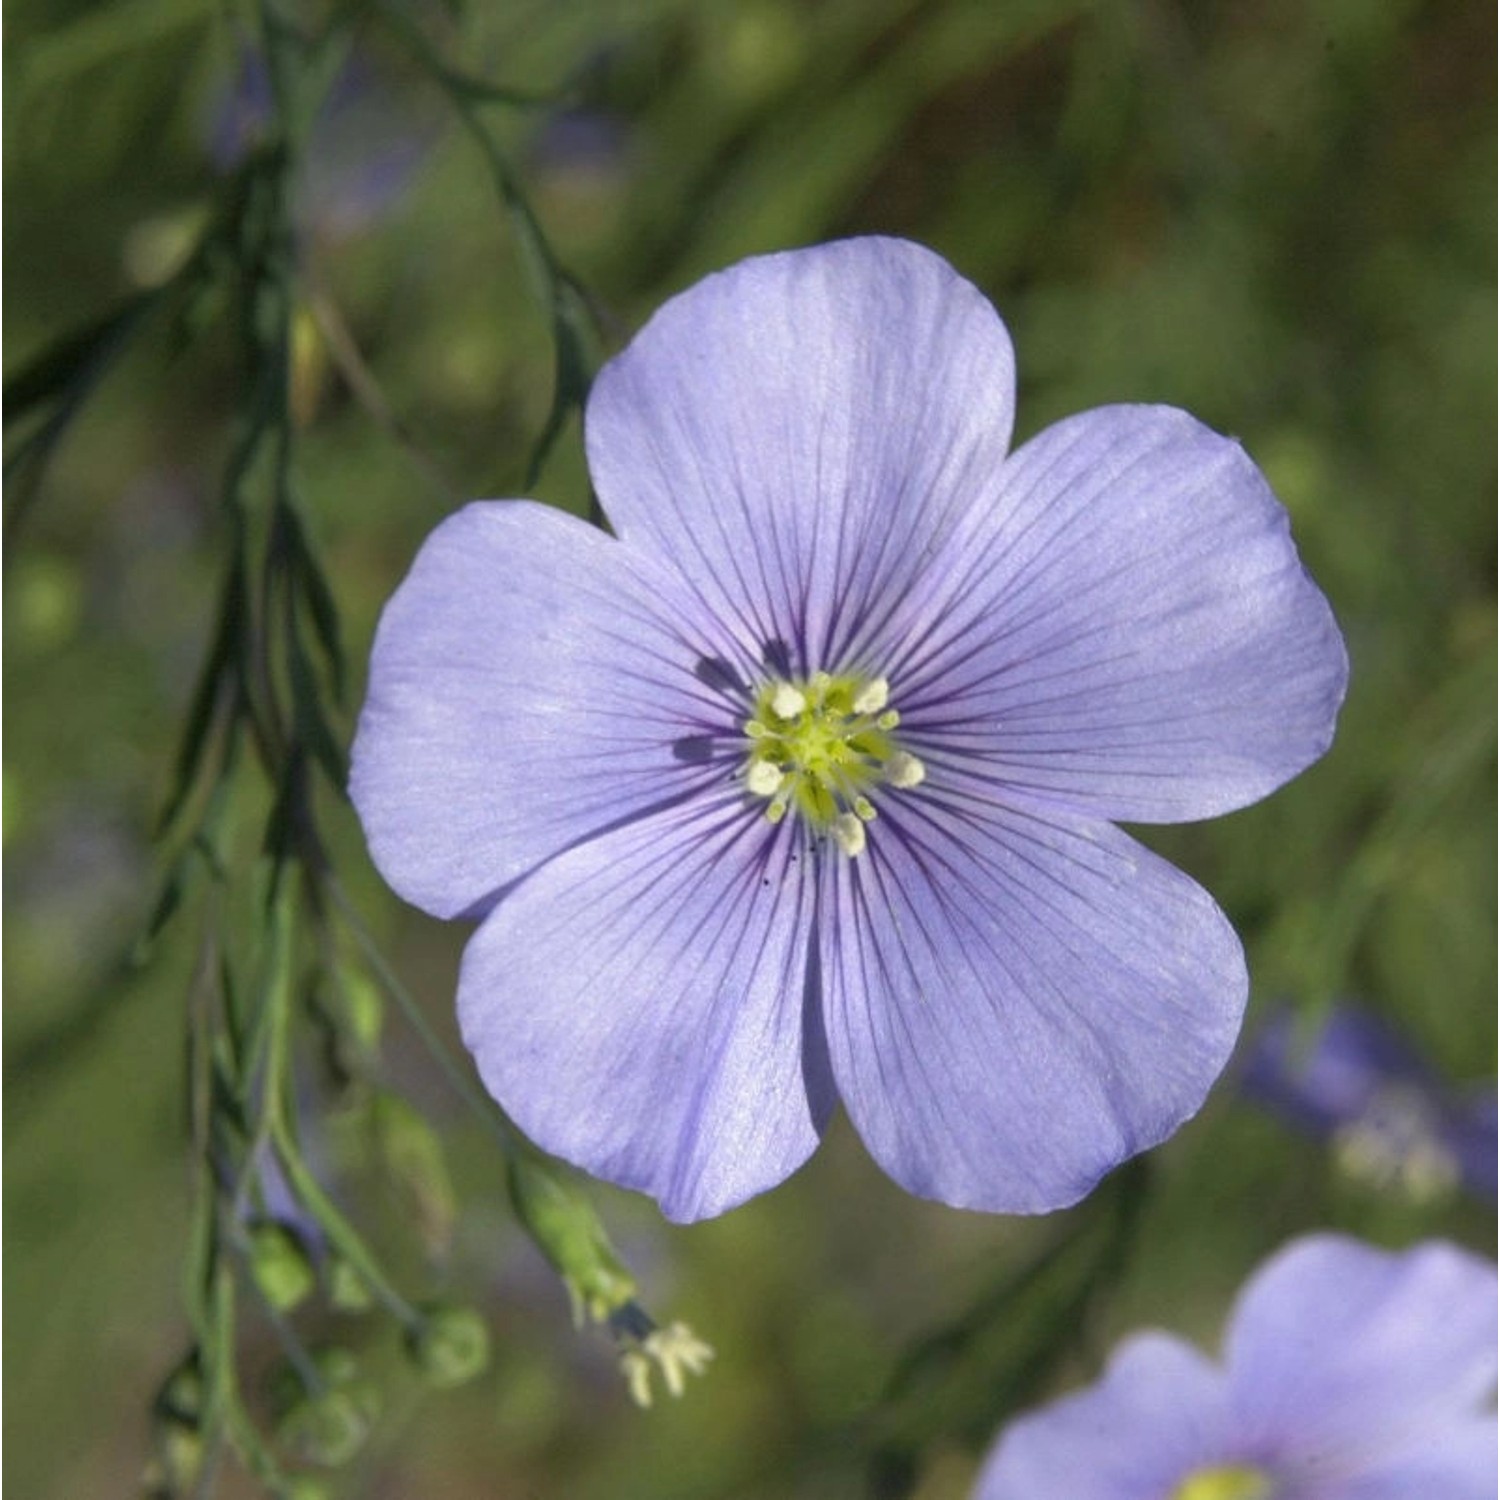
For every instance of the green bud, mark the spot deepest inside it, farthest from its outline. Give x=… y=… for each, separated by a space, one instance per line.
x=305 y=1487
x=330 y=1424
x=452 y=1345
x=346 y=1287
x=179 y=1452
x=175 y=1434
x=568 y=1232
x=328 y=1429
x=280 y=1265
x=363 y=1009
x=181 y=1393
x=412 y=1156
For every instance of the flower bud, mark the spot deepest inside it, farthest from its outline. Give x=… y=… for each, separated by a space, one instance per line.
x=280 y=1264
x=306 y=1487
x=567 y=1231
x=347 y=1290
x=328 y=1429
x=329 y=1425
x=181 y=1393
x=411 y=1155
x=176 y=1438
x=363 y=1010
x=179 y=1454
x=452 y=1345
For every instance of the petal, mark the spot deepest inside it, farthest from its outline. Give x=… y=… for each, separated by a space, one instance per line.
x=531 y=684
x=1459 y=1464
x=1129 y=631
x=1470 y=1135
x=797 y=433
x=642 y=1006
x=1015 y=1004
x=1341 y=1352
x=1157 y=1414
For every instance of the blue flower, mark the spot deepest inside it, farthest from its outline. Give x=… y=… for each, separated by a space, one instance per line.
x=1349 y=1373
x=1392 y=1123
x=798 y=788
x=366 y=147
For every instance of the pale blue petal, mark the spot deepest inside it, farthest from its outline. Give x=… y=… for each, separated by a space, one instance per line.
x=1458 y=1463
x=1015 y=1004
x=1157 y=1415
x=797 y=434
x=1345 y=1354
x=532 y=683
x=642 y=1006
x=1128 y=631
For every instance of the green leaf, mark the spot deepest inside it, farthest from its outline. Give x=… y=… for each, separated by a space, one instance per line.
x=75 y=356
x=312 y=725
x=317 y=595
x=213 y=679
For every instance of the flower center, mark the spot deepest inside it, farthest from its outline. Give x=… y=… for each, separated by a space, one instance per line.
x=820 y=747
x=1226 y=1482
x=1396 y=1142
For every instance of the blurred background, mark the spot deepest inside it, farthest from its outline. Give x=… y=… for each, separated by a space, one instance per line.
x=1276 y=213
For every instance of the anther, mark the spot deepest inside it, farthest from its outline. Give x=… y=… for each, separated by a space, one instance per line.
x=849 y=834
x=787 y=702
x=764 y=779
x=904 y=770
x=873 y=696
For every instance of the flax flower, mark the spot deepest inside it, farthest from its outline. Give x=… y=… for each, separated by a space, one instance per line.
x=797 y=789
x=1349 y=1373
x=1392 y=1122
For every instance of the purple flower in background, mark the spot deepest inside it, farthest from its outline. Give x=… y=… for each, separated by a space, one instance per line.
x=366 y=146
x=1390 y=1120
x=1349 y=1373
x=798 y=788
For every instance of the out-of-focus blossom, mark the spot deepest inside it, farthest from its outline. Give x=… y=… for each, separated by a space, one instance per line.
x=1349 y=1373
x=581 y=143
x=1389 y=1119
x=364 y=149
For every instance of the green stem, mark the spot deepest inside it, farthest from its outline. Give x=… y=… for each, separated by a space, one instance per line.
x=495 y=1122
x=343 y=1236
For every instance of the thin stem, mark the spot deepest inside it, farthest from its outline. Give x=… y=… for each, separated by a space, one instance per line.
x=360 y=379
x=494 y=1119
x=345 y=1239
x=574 y=323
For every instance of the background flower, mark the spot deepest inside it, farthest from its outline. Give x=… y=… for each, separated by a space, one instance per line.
x=1349 y=1078
x=364 y=153
x=833 y=595
x=1349 y=1373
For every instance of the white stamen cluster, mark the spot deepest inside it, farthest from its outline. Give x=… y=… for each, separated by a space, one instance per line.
x=819 y=747
x=675 y=1352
